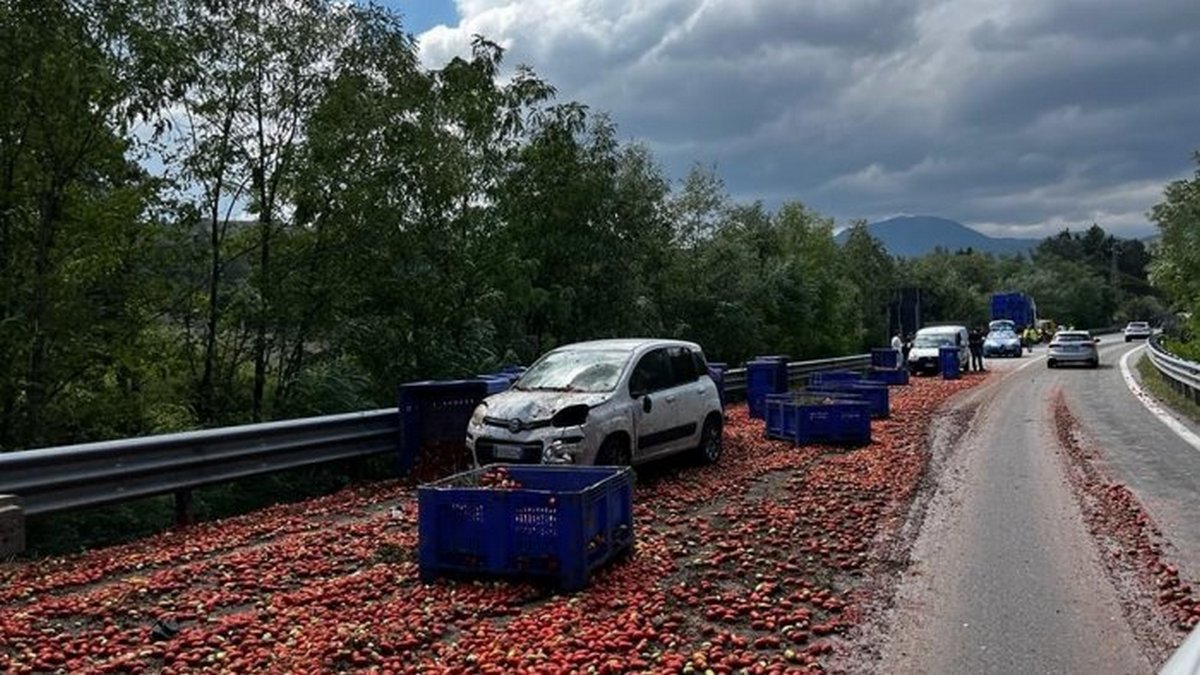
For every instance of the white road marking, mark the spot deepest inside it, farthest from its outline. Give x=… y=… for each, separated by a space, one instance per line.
x=1155 y=409
x=1031 y=360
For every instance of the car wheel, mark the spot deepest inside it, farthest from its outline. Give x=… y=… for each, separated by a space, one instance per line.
x=1095 y=363
x=1128 y=339
x=1050 y=363
x=709 y=450
x=614 y=451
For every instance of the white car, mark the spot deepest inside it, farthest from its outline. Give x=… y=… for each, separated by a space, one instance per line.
x=923 y=357
x=607 y=402
x=1137 y=329
x=1073 y=346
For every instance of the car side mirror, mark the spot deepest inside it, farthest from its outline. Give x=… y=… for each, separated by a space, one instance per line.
x=647 y=404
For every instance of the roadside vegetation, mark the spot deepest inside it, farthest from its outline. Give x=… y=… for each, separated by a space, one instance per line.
x=1156 y=383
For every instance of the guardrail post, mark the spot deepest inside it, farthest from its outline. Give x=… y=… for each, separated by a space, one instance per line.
x=183 y=507
x=12 y=526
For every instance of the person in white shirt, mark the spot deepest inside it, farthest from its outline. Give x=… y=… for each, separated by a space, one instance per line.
x=898 y=346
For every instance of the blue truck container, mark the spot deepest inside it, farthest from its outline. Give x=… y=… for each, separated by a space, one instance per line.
x=1016 y=307
x=559 y=523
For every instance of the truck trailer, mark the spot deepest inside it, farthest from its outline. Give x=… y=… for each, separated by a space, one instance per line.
x=1016 y=307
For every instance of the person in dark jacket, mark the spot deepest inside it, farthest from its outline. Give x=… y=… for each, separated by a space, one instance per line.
x=975 y=343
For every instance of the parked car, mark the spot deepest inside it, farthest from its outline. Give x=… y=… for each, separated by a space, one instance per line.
x=923 y=357
x=607 y=402
x=1137 y=329
x=1073 y=346
x=1002 y=343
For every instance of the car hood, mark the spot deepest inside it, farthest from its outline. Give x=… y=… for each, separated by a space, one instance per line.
x=922 y=352
x=538 y=405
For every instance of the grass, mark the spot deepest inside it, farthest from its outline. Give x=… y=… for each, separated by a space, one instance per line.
x=1157 y=385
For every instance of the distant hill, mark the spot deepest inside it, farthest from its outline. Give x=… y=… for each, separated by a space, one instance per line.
x=911 y=236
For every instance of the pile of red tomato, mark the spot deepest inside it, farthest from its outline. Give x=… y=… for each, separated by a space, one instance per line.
x=759 y=564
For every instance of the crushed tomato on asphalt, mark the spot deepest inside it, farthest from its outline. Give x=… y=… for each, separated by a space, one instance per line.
x=758 y=564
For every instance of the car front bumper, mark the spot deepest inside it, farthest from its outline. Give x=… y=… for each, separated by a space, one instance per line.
x=490 y=444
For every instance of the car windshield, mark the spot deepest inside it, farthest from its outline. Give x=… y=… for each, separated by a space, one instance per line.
x=1138 y=324
x=934 y=340
x=582 y=370
x=1002 y=335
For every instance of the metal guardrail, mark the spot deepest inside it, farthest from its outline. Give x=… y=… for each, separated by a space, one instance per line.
x=798 y=371
x=1183 y=374
x=93 y=474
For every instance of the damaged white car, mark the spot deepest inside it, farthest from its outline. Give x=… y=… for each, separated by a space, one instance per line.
x=607 y=402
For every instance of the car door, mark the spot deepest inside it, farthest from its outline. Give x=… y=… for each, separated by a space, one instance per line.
x=651 y=386
x=691 y=395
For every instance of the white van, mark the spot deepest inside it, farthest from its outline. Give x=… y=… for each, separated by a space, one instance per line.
x=923 y=357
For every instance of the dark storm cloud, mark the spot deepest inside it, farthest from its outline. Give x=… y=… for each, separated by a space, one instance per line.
x=1017 y=116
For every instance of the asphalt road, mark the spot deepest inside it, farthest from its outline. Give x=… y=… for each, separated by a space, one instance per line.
x=1004 y=576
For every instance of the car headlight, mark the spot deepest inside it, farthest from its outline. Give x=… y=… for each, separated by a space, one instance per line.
x=478 y=415
x=563 y=450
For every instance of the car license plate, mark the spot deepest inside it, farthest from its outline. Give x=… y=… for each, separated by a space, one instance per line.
x=508 y=452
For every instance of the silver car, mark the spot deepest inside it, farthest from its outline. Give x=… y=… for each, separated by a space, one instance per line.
x=609 y=402
x=1002 y=343
x=1073 y=346
x=1137 y=329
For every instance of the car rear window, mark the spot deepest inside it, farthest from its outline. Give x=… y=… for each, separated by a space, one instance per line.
x=1073 y=337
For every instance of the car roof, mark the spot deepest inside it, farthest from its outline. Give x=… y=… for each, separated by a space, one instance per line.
x=941 y=329
x=1083 y=333
x=627 y=344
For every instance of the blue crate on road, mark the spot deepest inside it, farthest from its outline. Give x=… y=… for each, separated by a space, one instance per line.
x=875 y=394
x=888 y=376
x=435 y=413
x=885 y=357
x=560 y=524
x=948 y=363
x=763 y=378
x=808 y=419
x=835 y=376
x=716 y=371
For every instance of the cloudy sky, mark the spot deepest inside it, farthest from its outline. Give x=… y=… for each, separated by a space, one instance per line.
x=1017 y=117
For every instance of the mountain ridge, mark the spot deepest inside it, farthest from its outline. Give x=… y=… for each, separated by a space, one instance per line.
x=911 y=236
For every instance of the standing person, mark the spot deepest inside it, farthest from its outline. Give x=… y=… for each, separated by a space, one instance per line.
x=908 y=340
x=975 y=342
x=898 y=347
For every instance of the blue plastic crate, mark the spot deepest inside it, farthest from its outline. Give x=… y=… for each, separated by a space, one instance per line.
x=885 y=357
x=716 y=371
x=561 y=524
x=763 y=378
x=948 y=363
x=888 y=376
x=835 y=376
x=435 y=413
x=875 y=394
x=497 y=382
x=807 y=419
